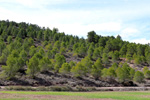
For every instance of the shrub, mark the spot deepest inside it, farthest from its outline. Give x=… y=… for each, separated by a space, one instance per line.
x=20 y=88
x=60 y=88
x=42 y=88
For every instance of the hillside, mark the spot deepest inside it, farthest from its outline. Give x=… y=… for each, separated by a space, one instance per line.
x=31 y=55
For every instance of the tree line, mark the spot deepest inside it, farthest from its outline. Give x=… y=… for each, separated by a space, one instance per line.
x=37 y=49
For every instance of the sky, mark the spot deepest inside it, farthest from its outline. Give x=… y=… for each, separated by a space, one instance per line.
x=128 y=18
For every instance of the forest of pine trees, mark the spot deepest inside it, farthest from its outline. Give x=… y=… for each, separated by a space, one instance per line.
x=36 y=49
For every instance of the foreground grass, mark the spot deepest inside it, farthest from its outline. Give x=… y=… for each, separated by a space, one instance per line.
x=88 y=95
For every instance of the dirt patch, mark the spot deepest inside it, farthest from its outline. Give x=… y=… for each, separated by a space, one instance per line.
x=145 y=96
x=45 y=97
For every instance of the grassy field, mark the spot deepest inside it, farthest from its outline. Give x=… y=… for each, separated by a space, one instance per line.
x=21 y=95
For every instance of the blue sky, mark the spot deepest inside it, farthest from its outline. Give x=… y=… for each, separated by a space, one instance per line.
x=128 y=18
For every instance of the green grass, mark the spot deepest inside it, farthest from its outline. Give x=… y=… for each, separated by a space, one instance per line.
x=113 y=95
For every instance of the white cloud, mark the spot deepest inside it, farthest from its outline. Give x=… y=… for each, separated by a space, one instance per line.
x=129 y=32
x=141 y=41
x=71 y=22
x=37 y=3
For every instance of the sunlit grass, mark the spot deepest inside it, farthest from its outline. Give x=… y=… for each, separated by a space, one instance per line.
x=113 y=95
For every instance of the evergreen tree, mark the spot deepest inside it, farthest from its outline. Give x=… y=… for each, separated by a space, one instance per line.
x=123 y=74
x=81 y=51
x=71 y=63
x=86 y=62
x=138 y=77
x=33 y=66
x=45 y=64
x=138 y=60
x=91 y=36
x=111 y=72
x=104 y=73
x=147 y=74
x=90 y=51
x=132 y=73
x=49 y=47
x=96 y=53
x=11 y=67
x=32 y=51
x=79 y=70
x=60 y=59
x=97 y=68
x=148 y=58
x=65 y=68
x=114 y=65
x=115 y=56
x=2 y=46
x=46 y=35
x=9 y=39
x=5 y=54
x=40 y=36
x=145 y=69
x=105 y=58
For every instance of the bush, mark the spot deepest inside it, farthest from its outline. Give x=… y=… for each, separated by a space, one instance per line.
x=80 y=88
x=60 y=88
x=91 y=89
x=20 y=88
x=42 y=88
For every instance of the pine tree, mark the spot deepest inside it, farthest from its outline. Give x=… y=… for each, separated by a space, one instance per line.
x=97 y=68
x=90 y=51
x=115 y=56
x=138 y=77
x=123 y=74
x=86 y=62
x=45 y=64
x=111 y=72
x=9 y=39
x=60 y=59
x=11 y=67
x=105 y=58
x=91 y=36
x=96 y=53
x=65 y=68
x=104 y=73
x=33 y=66
x=147 y=74
x=114 y=65
x=132 y=73
x=79 y=70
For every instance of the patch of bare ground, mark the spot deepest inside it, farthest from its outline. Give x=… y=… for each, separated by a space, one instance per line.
x=45 y=97
x=145 y=96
